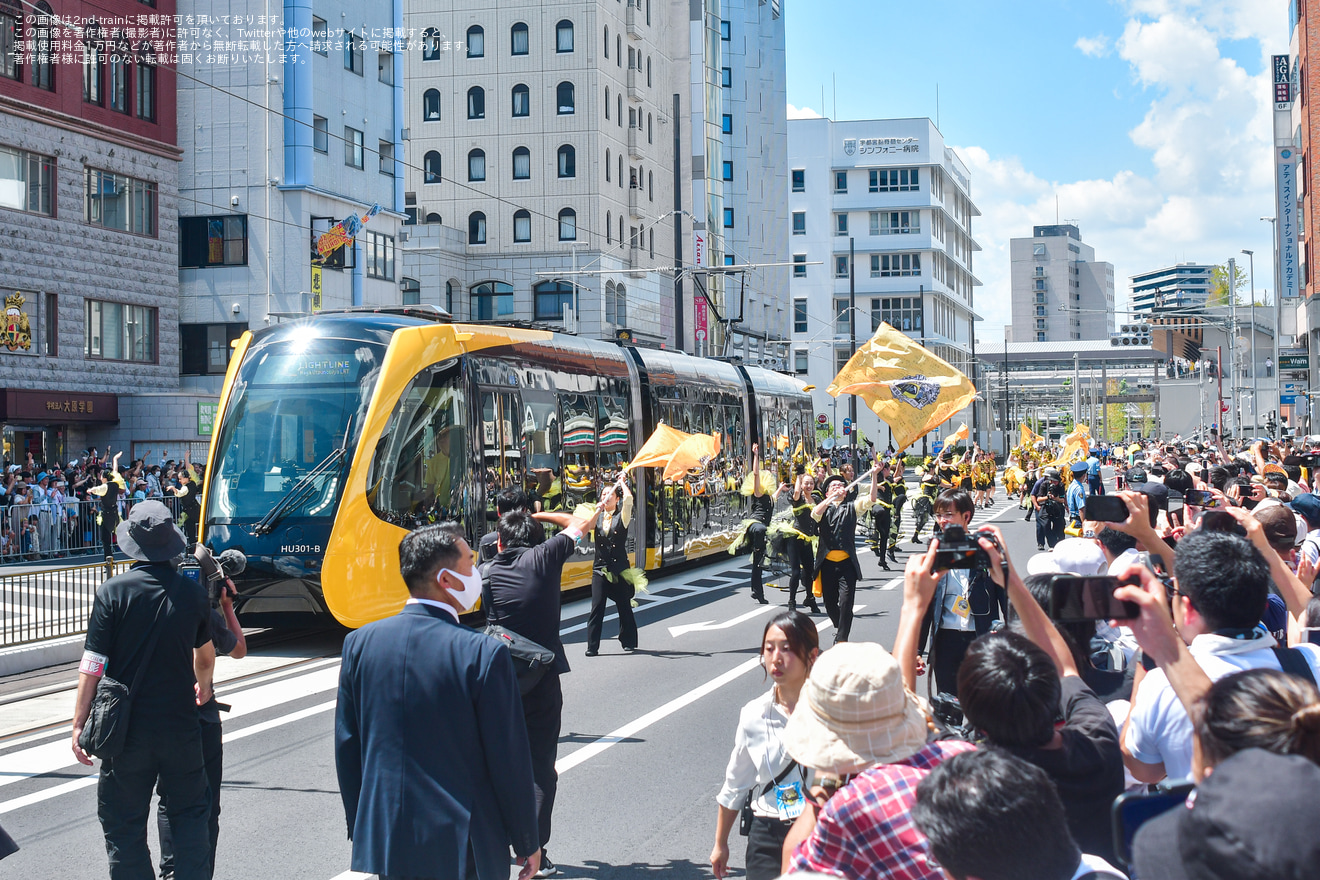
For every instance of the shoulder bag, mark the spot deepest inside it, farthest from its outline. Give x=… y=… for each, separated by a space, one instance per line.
x=746 y=815
x=106 y=727
x=531 y=660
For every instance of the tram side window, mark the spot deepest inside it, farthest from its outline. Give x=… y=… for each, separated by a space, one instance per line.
x=613 y=424
x=578 y=450
x=540 y=430
x=418 y=473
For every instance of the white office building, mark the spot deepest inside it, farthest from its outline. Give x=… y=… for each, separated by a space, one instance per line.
x=890 y=190
x=1179 y=287
x=1060 y=291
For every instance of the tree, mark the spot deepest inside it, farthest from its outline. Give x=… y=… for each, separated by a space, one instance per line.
x=1116 y=420
x=1219 y=286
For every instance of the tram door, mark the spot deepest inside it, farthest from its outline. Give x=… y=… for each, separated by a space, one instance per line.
x=501 y=446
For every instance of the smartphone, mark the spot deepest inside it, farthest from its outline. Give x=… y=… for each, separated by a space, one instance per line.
x=1077 y=599
x=1106 y=508
x=1134 y=809
x=1201 y=498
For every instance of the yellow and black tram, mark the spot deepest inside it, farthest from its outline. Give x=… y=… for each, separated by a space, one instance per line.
x=340 y=432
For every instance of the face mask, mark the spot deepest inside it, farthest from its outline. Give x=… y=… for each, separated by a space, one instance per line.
x=471 y=592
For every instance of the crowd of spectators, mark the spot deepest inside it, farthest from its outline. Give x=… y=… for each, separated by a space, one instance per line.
x=53 y=509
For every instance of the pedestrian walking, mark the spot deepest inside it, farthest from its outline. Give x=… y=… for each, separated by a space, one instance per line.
x=763 y=785
x=522 y=593
x=434 y=767
x=608 y=581
x=149 y=626
x=836 y=562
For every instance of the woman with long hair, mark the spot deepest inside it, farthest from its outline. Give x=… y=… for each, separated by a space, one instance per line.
x=762 y=779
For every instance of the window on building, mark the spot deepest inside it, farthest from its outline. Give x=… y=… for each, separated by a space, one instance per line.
x=726 y=124
x=522 y=164
x=610 y=312
x=146 y=91
x=895 y=180
x=842 y=324
x=841 y=358
x=799 y=265
x=431 y=44
x=353 y=52
x=10 y=40
x=607 y=41
x=431 y=105
x=476 y=103
x=841 y=181
x=799 y=180
x=93 y=62
x=410 y=290
x=648 y=71
x=607 y=102
x=320 y=134
x=799 y=222
x=522 y=226
x=568 y=225
x=568 y=161
x=385 y=153
x=492 y=300
x=321 y=37
x=118 y=202
x=895 y=222
x=728 y=218
x=799 y=316
x=353 y=148
x=27 y=181
x=522 y=100
x=204 y=349
x=840 y=224
x=900 y=312
x=380 y=256
x=476 y=228
x=519 y=44
x=213 y=241
x=840 y=266
x=120 y=332
x=565 y=99
x=118 y=74
x=551 y=299
x=449 y=297
x=385 y=67
x=800 y=361
x=728 y=170
x=895 y=265
x=564 y=36
x=476 y=42
x=431 y=167
x=41 y=46
x=649 y=119
x=726 y=77
x=477 y=165
x=725 y=31
x=1040 y=284
x=620 y=304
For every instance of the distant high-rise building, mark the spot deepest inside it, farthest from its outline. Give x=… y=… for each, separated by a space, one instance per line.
x=1182 y=286
x=1060 y=291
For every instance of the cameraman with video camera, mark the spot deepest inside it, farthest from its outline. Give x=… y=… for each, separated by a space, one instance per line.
x=967 y=601
x=227 y=636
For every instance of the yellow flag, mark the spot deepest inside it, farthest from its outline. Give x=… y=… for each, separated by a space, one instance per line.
x=1076 y=446
x=960 y=434
x=694 y=452
x=658 y=448
x=1029 y=437
x=909 y=388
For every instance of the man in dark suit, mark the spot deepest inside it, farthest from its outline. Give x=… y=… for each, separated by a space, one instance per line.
x=434 y=765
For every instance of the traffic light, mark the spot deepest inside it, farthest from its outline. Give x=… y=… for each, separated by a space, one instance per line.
x=1131 y=334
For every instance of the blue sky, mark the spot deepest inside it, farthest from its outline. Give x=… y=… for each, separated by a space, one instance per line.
x=1148 y=118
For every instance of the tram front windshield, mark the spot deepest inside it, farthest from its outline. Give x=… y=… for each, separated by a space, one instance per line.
x=295 y=404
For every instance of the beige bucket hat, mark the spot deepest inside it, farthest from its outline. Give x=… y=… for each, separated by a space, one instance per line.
x=854 y=712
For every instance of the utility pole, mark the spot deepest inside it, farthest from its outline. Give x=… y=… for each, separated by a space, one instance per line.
x=852 y=333
x=1004 y=422
x=1255 y=387
x=1232 y=347
x=1077 y=390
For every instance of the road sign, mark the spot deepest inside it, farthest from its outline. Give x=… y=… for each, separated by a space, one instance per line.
x=1287 y=399
x=316 y=288
x=847 y=422
x=1291 y=387
x=822 y=419
x=847 y=429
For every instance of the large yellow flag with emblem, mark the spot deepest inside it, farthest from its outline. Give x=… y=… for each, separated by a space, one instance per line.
x=658 y=448
x=1029 y=437
x=909 y=388
x=1079 y=441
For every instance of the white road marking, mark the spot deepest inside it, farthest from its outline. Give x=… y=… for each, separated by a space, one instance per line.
x=710 y=625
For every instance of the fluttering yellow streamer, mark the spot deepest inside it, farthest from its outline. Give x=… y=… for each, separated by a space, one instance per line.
x=658 y=448
x=1076 y=446
x=908 y=387
x=961 y=434
x=693 y=453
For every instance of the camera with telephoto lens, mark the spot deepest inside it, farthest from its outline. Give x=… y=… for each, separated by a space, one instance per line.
x=961 y=550
x=215 y=570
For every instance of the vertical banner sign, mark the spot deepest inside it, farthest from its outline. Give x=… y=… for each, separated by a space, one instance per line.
x=699 y=320
x=316 y=288
x=1282 y=83
x=1285 y=179
x=206 y=410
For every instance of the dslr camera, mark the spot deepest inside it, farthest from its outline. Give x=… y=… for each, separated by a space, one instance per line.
x=961 y=550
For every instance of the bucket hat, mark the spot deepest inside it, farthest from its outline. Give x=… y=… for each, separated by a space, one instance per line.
x=855 y=712
x=149 y=533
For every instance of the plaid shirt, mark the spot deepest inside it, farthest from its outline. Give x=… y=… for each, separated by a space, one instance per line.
x=866 y=830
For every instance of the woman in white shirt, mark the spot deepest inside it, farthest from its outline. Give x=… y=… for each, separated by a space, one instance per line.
x=760 y=767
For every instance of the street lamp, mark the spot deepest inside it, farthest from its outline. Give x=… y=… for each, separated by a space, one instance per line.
x=1255 y=390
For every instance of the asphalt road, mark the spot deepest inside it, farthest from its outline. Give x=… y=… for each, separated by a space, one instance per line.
x=642 y=755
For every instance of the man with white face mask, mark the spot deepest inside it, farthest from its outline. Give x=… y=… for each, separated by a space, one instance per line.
x=434 y=765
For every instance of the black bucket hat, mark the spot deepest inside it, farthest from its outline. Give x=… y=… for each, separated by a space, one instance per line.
x=149 y=533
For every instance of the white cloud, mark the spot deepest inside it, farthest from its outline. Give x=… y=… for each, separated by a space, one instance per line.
x=1208 y=131
x=802 y=113
x=1096 y=47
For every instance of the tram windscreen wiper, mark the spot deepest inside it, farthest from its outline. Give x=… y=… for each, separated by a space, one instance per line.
x=301 y=491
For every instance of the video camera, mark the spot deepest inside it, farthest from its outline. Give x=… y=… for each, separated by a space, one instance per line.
x=215 y=571
x=961 y=550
